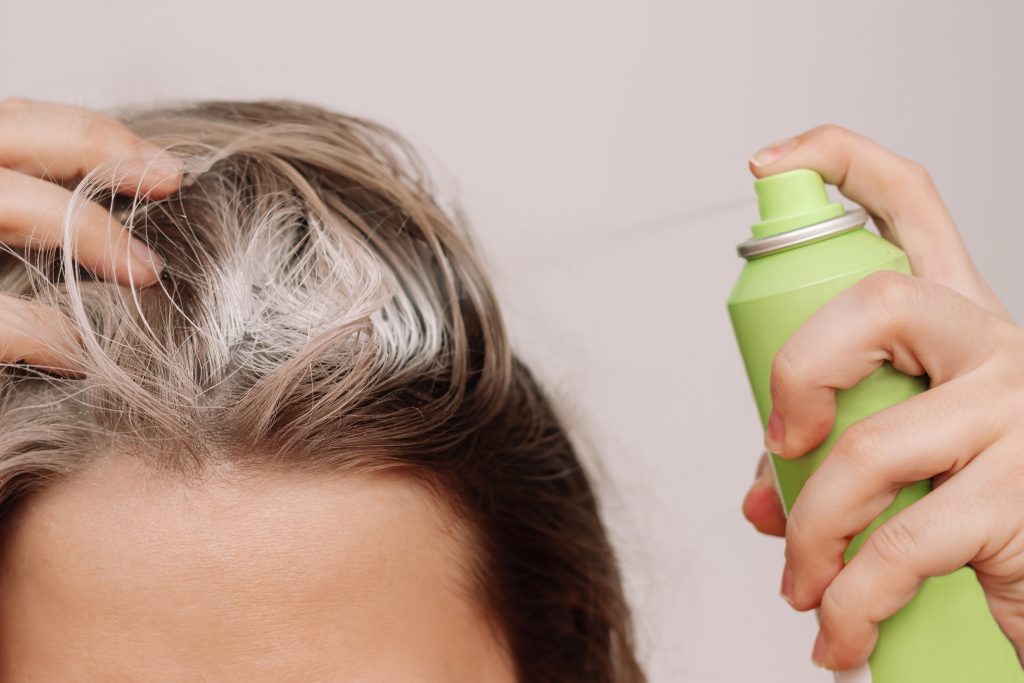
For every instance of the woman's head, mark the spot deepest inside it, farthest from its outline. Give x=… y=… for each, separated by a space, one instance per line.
x=308 y=447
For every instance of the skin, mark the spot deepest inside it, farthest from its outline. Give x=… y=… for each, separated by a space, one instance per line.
x=120 y=573
x=967 y=432
x=262 y=577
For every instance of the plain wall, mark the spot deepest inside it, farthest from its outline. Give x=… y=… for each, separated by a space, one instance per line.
x=600 y=150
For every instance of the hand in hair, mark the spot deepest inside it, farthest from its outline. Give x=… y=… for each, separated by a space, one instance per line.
x=41 y=147
x=966 y=433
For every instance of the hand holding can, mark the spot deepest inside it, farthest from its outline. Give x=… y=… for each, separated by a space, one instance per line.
x=829 y=348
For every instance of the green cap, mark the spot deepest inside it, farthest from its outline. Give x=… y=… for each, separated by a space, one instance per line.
x=791 y=200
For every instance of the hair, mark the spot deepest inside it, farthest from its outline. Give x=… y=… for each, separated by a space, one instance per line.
x=319 y=309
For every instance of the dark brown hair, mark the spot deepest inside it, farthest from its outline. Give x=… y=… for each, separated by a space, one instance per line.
x=319 y=309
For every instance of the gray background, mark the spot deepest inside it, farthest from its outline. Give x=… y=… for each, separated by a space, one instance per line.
x=600 y=150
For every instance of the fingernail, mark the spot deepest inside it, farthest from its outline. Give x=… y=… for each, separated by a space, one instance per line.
x=786 y=591
x=146 y=257
x=820 y=652
x=775 y=435
x=773 y=152
x=158 y=162
x=765 y=480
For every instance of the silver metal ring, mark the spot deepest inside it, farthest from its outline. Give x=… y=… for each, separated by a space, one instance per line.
x=849 y=221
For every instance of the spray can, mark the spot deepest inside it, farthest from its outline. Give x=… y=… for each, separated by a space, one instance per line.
x=804 y=252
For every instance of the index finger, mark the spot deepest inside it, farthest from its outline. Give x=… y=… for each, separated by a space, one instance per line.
x=60 y=142
x=917 y=326
x=898 y=193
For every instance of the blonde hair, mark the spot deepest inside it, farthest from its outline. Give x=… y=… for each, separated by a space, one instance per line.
x=319 y=309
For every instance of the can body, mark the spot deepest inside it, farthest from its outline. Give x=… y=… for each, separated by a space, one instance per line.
x=946 y=634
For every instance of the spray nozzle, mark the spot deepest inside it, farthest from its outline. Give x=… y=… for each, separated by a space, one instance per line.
x=791 y=200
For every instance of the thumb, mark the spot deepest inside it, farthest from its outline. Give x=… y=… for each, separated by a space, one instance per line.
x=899 y=195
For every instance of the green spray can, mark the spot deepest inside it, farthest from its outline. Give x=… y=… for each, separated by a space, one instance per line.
x=804 y=252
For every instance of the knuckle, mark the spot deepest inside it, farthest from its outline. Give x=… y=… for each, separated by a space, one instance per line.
x=861 y=445
x=828 y=131
x=105 y=135
x=887 y=291
x=830 y=139
x=785 y=372
x=894 y=543
x=797 y=541
x=914 y=174
x=833 y=606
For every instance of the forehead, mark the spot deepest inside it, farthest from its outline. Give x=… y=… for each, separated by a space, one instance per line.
x=117 y=574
